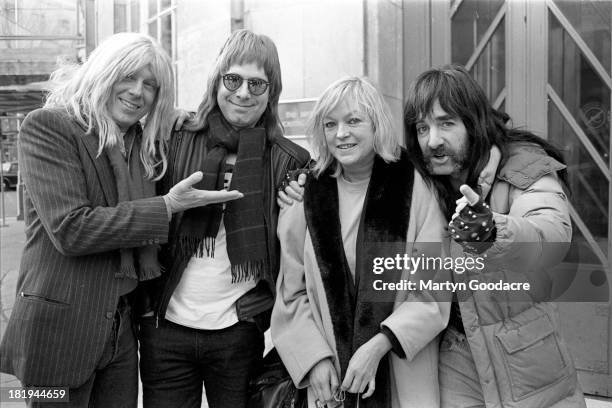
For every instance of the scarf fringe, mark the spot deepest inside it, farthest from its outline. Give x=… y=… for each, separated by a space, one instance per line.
x=200 y=247
x=128 y=271
x=149 y=273
x=148 y=264
x=194 y=246
x=247 y=271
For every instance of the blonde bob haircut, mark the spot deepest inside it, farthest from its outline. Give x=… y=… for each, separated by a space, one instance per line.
x=84 y=91
x=361 y=92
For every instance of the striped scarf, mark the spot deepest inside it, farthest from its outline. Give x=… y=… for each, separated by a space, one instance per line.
x=132 y=185
x=243 y=218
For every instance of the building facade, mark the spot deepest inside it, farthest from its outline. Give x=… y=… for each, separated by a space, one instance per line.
x=34 y=36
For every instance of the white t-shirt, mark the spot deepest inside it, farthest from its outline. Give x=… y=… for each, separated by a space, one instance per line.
x=205 y=296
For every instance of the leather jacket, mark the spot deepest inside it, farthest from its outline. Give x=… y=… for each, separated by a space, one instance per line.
x=280 y=156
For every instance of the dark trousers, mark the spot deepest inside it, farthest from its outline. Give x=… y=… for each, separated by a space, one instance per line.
x=114 y=384
x=175 y=361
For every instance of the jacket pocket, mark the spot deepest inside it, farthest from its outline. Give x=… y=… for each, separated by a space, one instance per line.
x=29 y=296
x=533 y=357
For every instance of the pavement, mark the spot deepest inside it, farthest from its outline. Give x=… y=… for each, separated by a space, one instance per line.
x=12 y=240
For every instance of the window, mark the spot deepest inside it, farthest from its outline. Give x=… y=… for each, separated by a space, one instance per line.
x=127 y=15
x=156 y=18
x=160 y=24
x=579 y=93
x=478 y=42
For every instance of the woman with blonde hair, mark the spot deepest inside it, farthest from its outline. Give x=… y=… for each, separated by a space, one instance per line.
x=92 y=222
x=336 y=328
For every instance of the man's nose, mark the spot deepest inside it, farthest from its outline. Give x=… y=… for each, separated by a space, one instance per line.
x=243 y=90
x=435 y=140
x=136 y=88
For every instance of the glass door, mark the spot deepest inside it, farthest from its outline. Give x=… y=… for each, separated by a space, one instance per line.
x=579 y=94
x=478 y=43
x=548 y=64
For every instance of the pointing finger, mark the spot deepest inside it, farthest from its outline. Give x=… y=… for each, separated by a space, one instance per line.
x=471 y=196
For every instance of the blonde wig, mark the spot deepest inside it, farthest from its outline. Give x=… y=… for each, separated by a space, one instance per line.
x=360 y=91
x=84 y=91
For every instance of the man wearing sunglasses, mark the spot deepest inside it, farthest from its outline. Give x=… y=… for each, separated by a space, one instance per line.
x=210 y=308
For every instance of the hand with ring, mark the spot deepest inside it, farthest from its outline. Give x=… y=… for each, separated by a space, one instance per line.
x=338 y=398
x=339 y=395
x=323 y=381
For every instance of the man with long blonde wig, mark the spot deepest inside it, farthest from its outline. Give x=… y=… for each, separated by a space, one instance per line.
x=93 y=222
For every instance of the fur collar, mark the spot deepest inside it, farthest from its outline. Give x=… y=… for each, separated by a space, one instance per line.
x=382 y=232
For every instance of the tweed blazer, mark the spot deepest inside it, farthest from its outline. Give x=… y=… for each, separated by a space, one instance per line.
x=69 y=282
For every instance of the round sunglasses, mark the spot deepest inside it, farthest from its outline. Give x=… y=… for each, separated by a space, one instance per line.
x=256 y=86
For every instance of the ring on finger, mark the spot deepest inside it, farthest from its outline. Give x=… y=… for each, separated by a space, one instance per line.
x=339 y=396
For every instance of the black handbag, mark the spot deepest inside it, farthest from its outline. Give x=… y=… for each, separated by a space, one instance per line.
x=273 y=387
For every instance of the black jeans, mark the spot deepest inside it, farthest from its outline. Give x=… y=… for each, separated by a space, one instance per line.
x=114 y=384
x=176 y=360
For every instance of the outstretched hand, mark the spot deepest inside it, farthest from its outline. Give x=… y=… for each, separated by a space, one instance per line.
x=183 y=196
